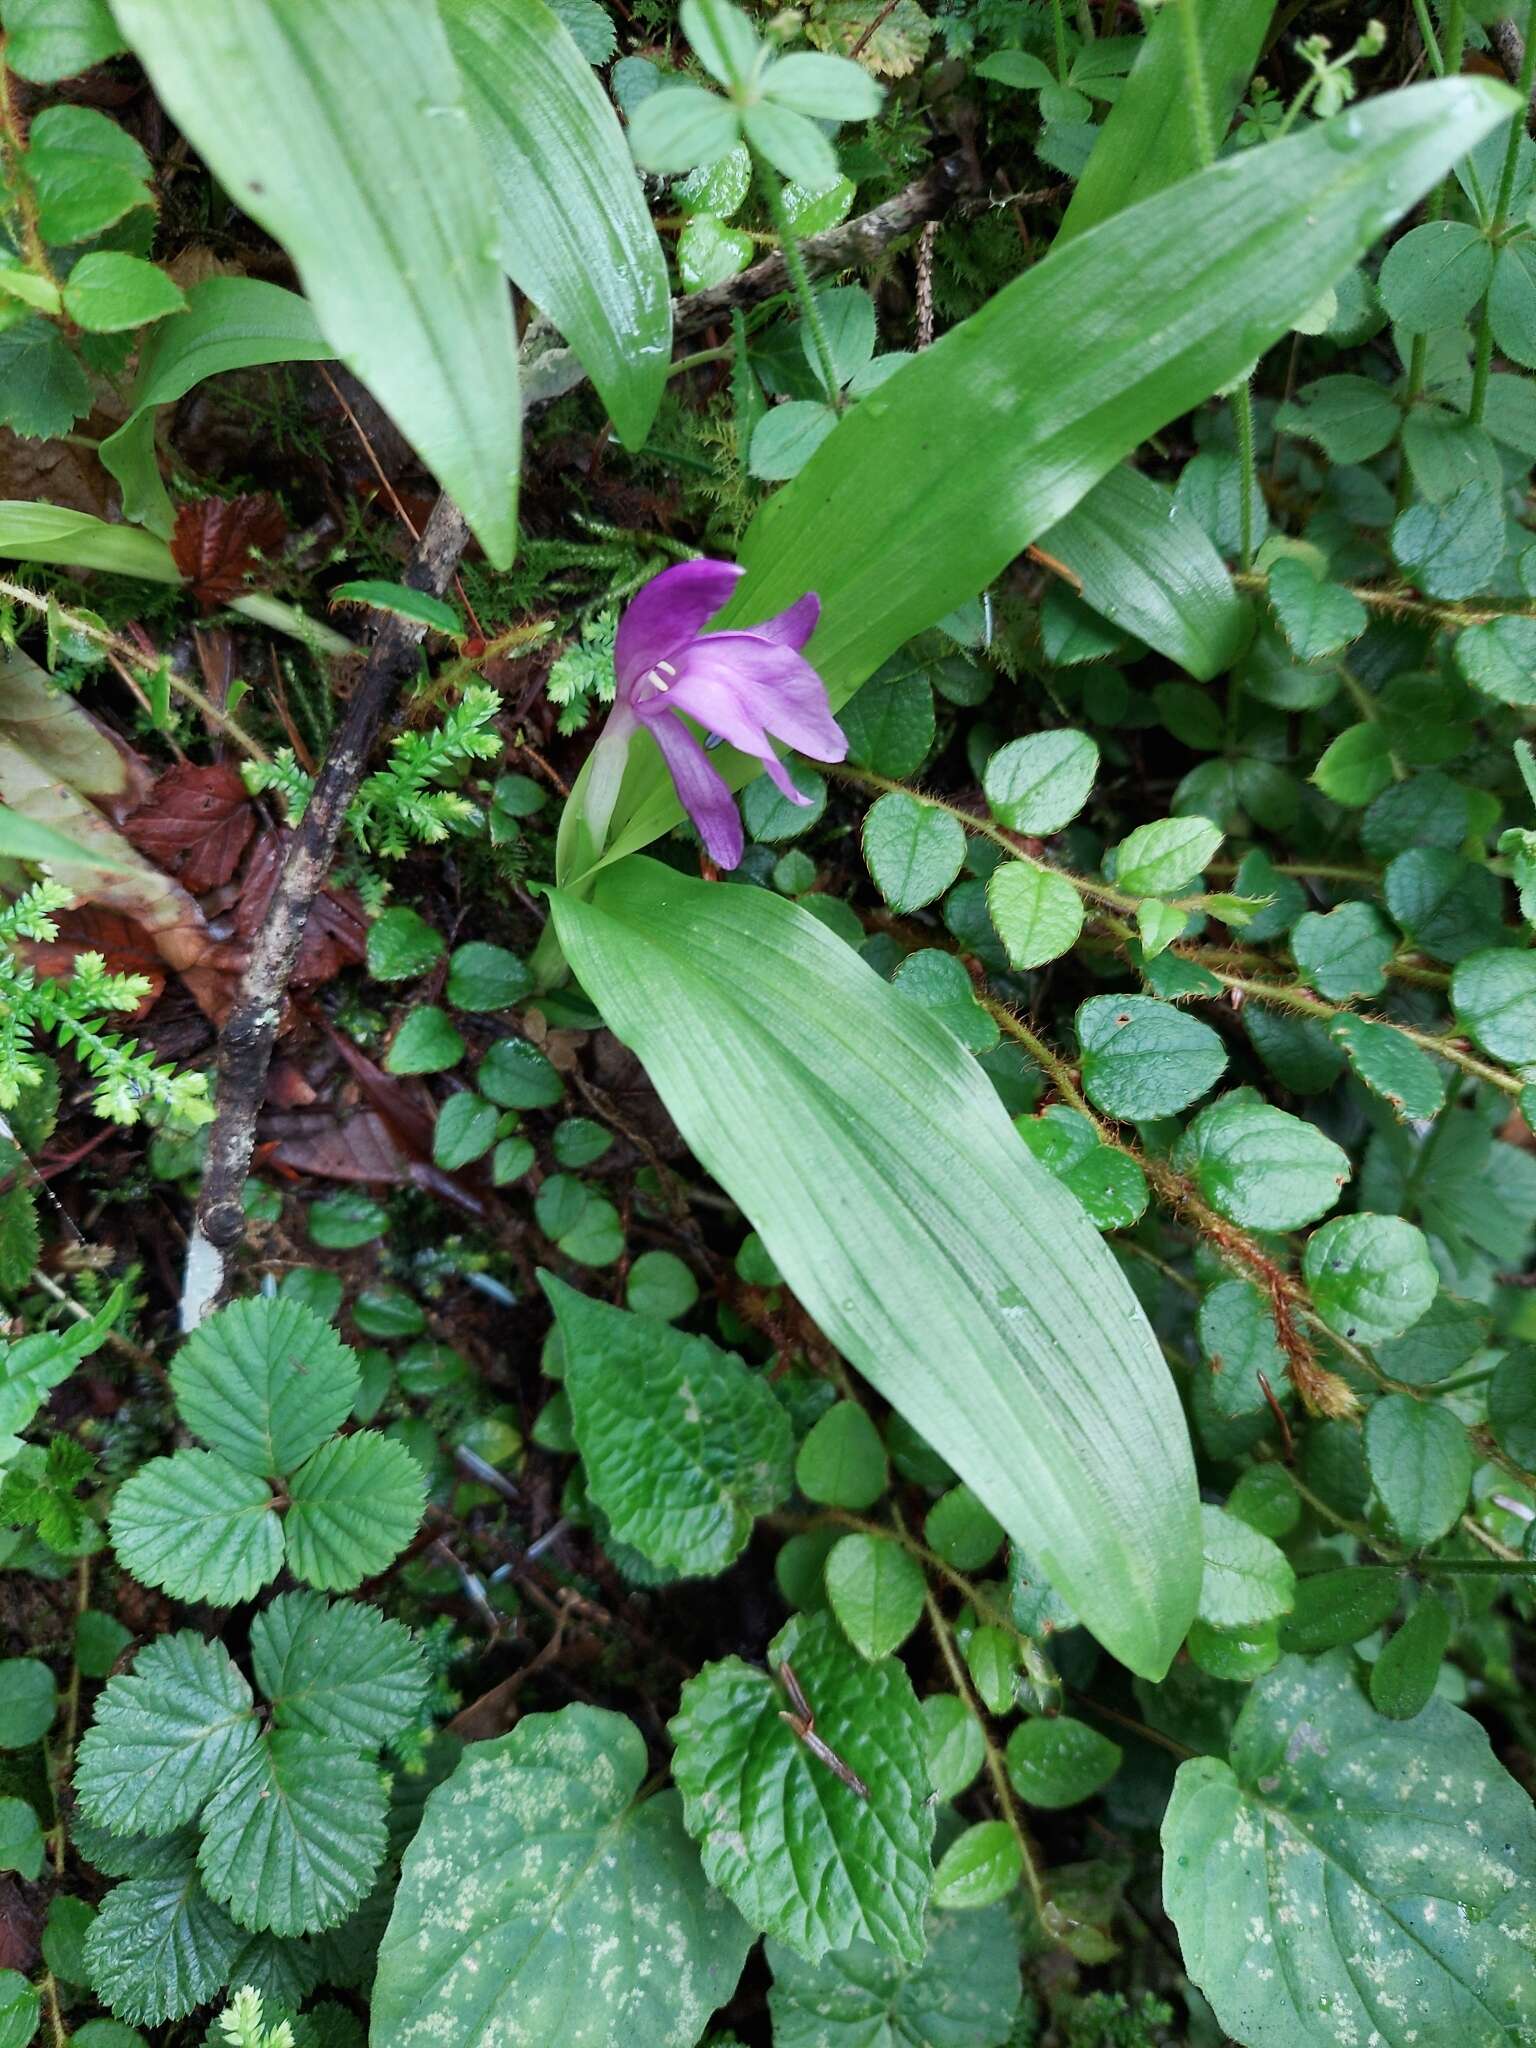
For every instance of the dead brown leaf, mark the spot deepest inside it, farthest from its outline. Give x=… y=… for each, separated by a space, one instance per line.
x=196 y=824
x=216 y=540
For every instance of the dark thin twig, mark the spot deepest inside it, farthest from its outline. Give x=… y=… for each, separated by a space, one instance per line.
x=874 y=27
x=246 y=1041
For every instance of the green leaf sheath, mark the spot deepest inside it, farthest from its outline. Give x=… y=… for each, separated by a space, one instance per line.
x=1151 y=138
x=342 y=130
x=890 y=1190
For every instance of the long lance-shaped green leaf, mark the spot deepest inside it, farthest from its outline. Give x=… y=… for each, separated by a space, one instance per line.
x=1152 y=137
x=929 y=488
x=890 y=1189
x=34 y=532
x=340 y=126
x=1147 y=564
x=576 y=232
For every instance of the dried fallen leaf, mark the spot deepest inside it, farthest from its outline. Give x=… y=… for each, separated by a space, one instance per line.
x=216 y=540
x=124 y=946
x=196 y=824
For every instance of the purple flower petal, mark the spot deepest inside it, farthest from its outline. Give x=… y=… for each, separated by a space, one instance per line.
x=704 y=793
x=671 y=609
x=745 y=688
x=794 y=627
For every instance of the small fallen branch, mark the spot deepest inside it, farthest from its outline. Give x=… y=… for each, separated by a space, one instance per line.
x=246 y=1041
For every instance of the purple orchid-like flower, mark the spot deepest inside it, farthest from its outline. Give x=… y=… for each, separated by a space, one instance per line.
x=749 y=688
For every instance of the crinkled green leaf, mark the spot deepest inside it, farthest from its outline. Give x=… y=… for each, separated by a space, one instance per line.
x=683 y=1445
x=1144 y=1058
x=353 y=1507
x=914 y=850
x=802 y=1856
x=164 y=1736
x=1371 y=1276
x=160 y=1947
x=1260 y=1165
x=1391 y=1066
x=1038 y=913
x=198 y=1527
x=336 y=1669
x=264 y=1381
x=539 y=1901
x=294 y=1833
x=1039 y=784
x=964 y=1993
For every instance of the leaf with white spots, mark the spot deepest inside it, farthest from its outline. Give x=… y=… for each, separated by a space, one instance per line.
x=963 y=1994
x=540 y=1903
x=684 y=1446
x=799 y=1850
x=1350 y=1879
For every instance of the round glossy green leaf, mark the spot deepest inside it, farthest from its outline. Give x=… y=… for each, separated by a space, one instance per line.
x=1404 y=1674
x=1371 y=1276
x=876 y=1591
x=1248 y=1579
x=1144 y=1058
x=842 y=1461
x=914 y=851
x=957 y=1749
x=978 y=1868
x=1039 y=784
x=1421 y=1466
x=28 y=1701
x=1059 y=1762
x=1038 y=913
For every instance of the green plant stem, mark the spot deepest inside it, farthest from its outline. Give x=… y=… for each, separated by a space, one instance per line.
x=1428 y=37
x=1242 y=413
x=1370 y=711
x=997 y=1770
x=133 y=658
x=1059 y=25
x=1501 y=205
x=800 y=281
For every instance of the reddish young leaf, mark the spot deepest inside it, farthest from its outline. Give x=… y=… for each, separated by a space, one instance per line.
x=196 y=824
x=215 y=539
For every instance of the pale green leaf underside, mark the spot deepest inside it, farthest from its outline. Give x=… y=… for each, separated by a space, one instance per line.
x=539 y=1903
x=342 y=131
x=1350 y=1878
x=800 y=1853
x=893 y=1194
x=683 y=1446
